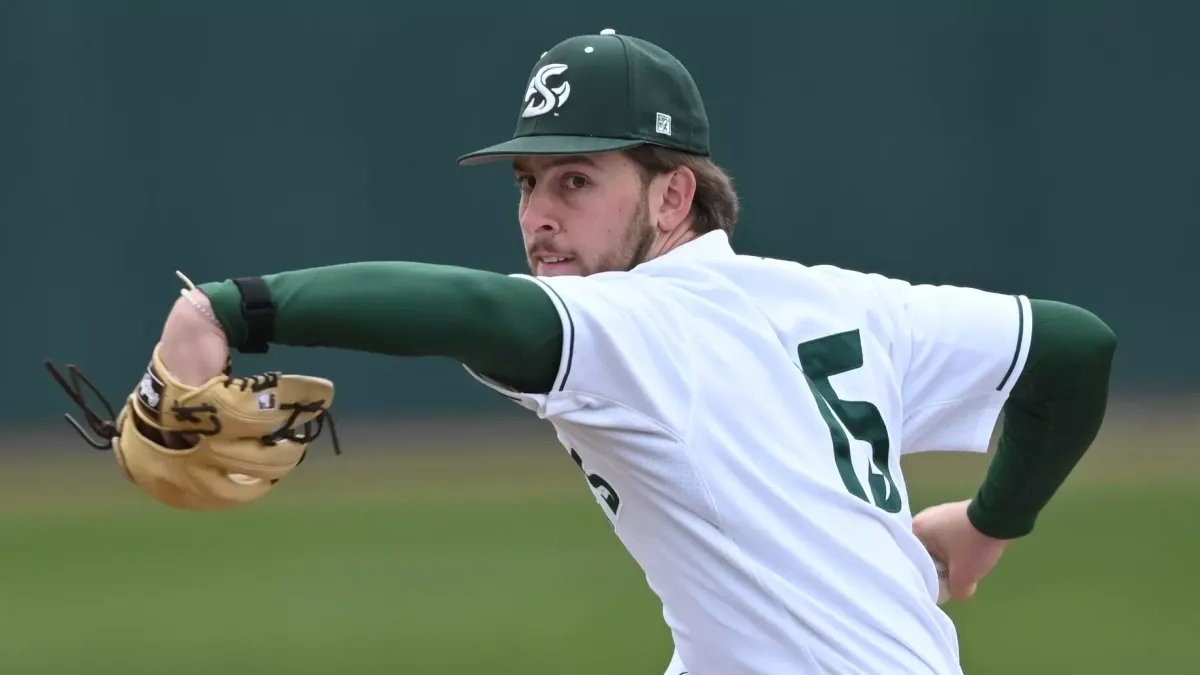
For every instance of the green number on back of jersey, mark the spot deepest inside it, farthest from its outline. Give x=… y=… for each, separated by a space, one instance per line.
x=820 y=360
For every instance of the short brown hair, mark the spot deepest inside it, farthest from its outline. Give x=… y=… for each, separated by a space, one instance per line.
x=715 y=205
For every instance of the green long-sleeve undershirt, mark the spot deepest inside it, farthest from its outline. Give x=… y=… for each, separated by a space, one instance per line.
x=507 y=329
x=1050 y=419
x=500 y=326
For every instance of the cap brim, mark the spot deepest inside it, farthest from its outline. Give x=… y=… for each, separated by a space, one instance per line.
x=547 y=145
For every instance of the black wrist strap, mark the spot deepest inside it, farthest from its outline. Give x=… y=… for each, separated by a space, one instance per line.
x=259 y=311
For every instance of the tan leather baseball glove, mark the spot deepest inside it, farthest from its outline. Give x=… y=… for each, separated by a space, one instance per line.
x=224 y=443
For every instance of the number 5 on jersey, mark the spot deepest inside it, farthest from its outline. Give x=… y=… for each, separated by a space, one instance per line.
x=820 y=360
x=601 y=488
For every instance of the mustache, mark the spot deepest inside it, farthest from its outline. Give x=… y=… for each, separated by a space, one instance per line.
x=543 y=246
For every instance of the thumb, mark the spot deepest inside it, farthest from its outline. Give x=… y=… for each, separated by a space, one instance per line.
x=962 y=582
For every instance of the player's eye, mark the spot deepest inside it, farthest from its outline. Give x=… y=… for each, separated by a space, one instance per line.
x=575 y=181
x=524 y=183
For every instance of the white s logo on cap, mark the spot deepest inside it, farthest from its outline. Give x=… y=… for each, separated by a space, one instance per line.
x=551 y=98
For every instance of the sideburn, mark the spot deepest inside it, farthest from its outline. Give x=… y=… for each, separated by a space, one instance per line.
x=641 y=236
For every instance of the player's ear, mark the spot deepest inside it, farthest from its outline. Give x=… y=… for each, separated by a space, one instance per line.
x=677 y=188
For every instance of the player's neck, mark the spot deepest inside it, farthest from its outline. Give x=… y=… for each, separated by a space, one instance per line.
x=671 y=241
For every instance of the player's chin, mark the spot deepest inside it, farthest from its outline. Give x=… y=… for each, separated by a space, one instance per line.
x=565 y=268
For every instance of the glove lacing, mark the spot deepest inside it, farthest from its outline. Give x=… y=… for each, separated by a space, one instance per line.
x=107 y=430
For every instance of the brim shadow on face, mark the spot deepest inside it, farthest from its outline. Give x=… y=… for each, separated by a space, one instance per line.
x=547 y=145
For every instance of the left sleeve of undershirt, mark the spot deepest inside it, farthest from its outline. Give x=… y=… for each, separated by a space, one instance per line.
x=505 y=328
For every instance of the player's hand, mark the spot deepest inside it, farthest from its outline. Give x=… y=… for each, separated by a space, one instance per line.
x=949 y=536
x=194 y=347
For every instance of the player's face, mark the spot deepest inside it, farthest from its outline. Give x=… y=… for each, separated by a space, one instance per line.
x=583 y=214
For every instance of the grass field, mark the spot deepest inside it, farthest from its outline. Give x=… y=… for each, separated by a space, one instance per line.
x=453 y=562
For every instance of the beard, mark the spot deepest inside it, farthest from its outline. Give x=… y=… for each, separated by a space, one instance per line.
x=633 y=247
x=628 y=252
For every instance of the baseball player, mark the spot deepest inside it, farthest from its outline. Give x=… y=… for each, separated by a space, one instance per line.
x=740 y=420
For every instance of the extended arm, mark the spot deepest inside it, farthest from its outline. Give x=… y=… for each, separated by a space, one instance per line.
x=503 y=327
x=1051 y=418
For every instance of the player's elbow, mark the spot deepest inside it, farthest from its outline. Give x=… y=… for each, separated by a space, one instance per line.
x=1095 y=341
x=1076 y=337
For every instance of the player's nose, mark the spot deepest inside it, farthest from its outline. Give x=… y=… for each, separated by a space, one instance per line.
x=538 y=216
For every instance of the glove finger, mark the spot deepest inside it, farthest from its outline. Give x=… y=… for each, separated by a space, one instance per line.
x=216 y=488
x=256 y=459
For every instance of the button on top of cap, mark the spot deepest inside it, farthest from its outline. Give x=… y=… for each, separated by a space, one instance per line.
x=608 y=31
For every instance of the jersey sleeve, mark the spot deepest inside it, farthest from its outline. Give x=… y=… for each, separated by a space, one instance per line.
x=965 y=349
x=622 y=349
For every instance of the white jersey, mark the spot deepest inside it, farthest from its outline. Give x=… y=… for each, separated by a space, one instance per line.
x=741 y=420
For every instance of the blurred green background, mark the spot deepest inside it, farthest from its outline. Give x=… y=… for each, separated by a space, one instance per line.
x=479 y=550
x=1041 y=148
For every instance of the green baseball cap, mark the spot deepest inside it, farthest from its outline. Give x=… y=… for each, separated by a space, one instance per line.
x=597 y=93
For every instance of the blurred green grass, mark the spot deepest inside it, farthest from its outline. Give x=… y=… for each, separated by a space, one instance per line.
x=474 y=562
